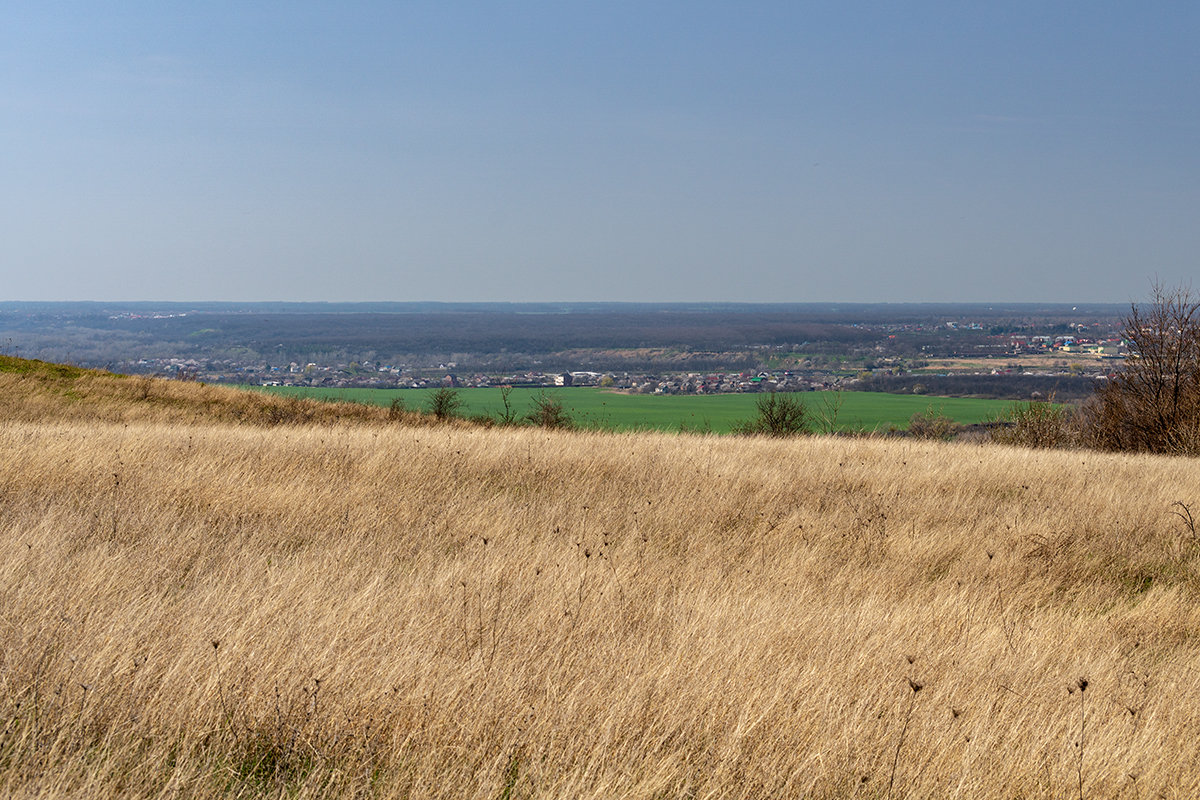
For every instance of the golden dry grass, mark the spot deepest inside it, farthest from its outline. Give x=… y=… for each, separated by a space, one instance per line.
x=455 y=612
x=37 y=390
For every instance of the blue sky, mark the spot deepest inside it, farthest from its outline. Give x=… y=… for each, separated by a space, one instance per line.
x=642 y=151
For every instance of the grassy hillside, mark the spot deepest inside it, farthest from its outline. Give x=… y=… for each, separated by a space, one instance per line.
x=206 y=609
x=37 y=390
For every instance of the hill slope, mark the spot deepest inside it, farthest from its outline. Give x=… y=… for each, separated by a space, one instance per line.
x=208 y=609
x=37 y=390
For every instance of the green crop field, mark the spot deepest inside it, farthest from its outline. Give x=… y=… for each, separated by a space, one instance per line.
x=598 y=408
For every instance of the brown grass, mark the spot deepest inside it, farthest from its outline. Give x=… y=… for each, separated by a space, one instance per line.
x=431 y=612
x=37 y=390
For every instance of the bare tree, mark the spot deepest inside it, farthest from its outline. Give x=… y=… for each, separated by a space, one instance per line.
x=831 y=406
x=1153 y=403
x=509 y=415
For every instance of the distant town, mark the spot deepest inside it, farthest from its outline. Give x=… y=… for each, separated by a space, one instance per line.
x=1015 y=351
x=1079 y=356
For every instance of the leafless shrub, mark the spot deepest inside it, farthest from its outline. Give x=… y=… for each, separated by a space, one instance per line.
x=1038 y=424
x=1153 y=403
x=932 y=424
x=509 y=415
x=831 y=406
x=778 y=415
x=548 y=412
x=445 y=403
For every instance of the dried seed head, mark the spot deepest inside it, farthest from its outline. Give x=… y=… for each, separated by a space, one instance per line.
x=1082 y=683
x=911 y=658
x=916 y=687
x=216 y=643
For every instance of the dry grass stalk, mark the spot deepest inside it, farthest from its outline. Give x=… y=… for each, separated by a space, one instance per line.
x=531 y=613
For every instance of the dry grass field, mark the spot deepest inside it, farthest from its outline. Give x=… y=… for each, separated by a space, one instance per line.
x=240 y=605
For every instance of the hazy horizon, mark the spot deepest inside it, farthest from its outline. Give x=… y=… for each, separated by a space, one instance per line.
x=573 y=305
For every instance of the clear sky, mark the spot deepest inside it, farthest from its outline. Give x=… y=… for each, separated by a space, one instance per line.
x=607 y=150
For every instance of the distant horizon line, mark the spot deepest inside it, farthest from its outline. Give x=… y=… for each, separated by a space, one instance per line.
x=579 y=303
